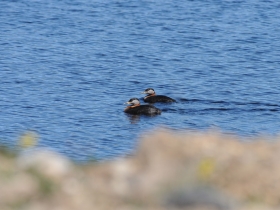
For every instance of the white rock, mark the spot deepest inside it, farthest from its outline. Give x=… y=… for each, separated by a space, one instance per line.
x=47 y=162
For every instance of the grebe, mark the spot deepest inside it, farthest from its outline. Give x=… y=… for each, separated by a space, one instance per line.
x=153 y=98
x=137 y=109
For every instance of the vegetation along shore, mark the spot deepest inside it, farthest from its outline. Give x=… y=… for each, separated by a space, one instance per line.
x=169 y=170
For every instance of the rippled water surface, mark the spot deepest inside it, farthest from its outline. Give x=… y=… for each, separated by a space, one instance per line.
x=67 y=67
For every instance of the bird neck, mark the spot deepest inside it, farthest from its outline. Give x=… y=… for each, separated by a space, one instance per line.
x=133 y=106
x=153 y=94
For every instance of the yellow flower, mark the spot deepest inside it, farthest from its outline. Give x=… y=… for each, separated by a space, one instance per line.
x=28 y=139
x=206 y=168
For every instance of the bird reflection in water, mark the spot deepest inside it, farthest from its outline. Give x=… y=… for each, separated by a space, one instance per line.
x=133 y=119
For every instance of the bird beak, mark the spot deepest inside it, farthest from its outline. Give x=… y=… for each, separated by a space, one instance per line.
x=143 y=92
x=127 y=102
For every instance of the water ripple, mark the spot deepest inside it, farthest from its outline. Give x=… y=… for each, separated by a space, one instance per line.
x=67 y=68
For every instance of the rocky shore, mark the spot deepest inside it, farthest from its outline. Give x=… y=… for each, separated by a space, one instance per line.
x=169 y=170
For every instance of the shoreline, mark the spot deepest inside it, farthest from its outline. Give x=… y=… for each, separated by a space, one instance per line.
x=169 y=170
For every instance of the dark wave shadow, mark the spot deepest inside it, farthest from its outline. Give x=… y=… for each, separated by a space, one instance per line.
x=238 y=103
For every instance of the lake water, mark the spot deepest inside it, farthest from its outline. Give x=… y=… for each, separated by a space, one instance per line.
x=68 y=66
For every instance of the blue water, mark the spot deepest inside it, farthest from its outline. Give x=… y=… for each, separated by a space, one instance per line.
x=68 y=66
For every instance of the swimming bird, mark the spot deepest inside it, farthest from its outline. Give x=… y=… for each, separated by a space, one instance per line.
x=151 y=97
x=137 y=109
